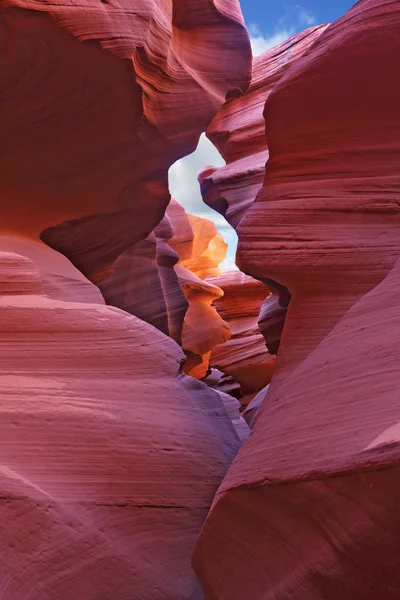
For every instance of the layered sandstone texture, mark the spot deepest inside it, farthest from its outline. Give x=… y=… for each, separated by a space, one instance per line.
x=244 y=355
x=320 y=469
x=116 y=94
x=163 y=280
x=200 y=250
x=111 y=456
x=105 y=449
x=144 y=283
x=238 y=131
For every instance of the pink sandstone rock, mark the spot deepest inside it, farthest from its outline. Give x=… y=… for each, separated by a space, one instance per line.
x=147 y=282
x=238 y=131
x=271 y=321
x=109 y=461
x=208 y=250
x=233 y=408
x=116 y=94
x=222 y=383
x=244 y=355
x=200 y=249
x=252 y=410
x=319 y=470
x=144 y=283
x=203 y=328
x=60 y=279
x=182 y=230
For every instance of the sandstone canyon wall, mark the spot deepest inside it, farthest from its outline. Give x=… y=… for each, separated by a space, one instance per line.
x=244 y=356
x=110 y=454
x=109 y=90
x=163 y=280
x=313 y=493
x=238 y=131
x=203 y=327
x=111 y=295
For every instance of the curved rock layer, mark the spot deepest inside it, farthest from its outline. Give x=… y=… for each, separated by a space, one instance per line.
x=106 y=450
x=238 y=131
x=244 y=355
x=144 y=283
x=116 y=94
x=147 y=282
x=271 y=320
x=320 y=469
x=203 y=328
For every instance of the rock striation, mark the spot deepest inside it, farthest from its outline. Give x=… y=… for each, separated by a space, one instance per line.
x=203 y=327
x=144 y=283
x=116 y=93
x=111 y=455
x=320 y=467
x=104 y=449
x=244 y=356
x=160 y=280
x=238 y=131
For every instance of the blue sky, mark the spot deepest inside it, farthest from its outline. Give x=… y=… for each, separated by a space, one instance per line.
x=269 y=22
x=272 y=21
x=273 y=15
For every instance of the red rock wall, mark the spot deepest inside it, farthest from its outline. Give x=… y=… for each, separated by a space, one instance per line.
x=144 y=283
x=109 y=90
x=203 y=328
x=166 y=288
x=319 y=470
x=238 y=131
x=110 y=455
x=244 y=355
x=105 y=451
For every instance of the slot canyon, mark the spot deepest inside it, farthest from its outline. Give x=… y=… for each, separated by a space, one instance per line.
x=172 y=429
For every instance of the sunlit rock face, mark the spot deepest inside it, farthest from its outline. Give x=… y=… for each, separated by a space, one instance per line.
x=200 y=249
x=110 y=455
x=313 y=492
x=163 y=280
x=244 y=355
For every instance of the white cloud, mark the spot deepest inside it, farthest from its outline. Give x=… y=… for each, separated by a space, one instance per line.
x=183 y=184
x=229 y=264
x=294 y=19
x=261 y=43
x=306 y=17
x=184 y=187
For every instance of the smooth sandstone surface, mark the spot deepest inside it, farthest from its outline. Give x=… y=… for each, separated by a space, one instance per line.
x=203 y=328
x=271 y=321
x=320 y=472
x=144 y=283
x=244 y=355
x=105 y=450
x=209 y=248
x=110 y=456
x=200 y=249
x=160 y=280
x=238 y=131
x=117 y=93
x=60 y=279
x=320 y=467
